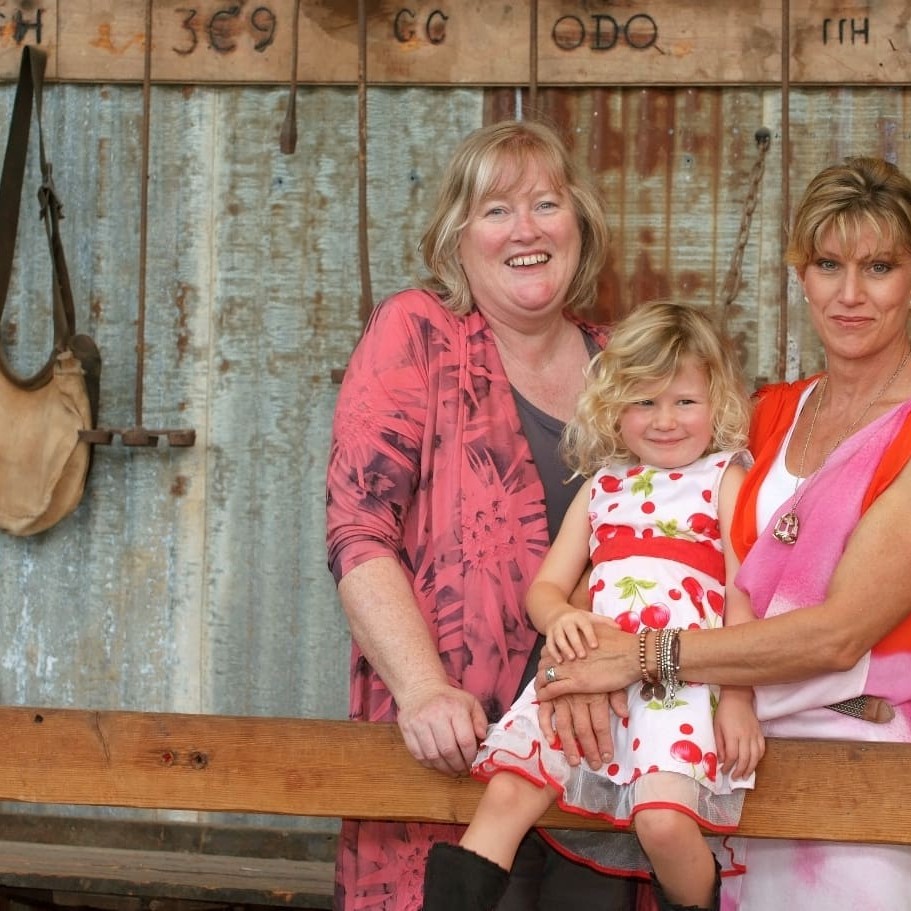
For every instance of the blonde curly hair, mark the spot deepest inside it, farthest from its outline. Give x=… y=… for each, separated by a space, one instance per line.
x=648 y=347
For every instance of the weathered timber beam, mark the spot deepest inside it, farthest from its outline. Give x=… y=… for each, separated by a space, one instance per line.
x=343 y=769
x=462 y=42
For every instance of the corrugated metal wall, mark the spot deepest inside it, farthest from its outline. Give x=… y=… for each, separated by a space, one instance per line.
x=194 y=579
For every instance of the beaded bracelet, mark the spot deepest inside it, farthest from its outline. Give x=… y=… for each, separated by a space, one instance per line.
x=647 y=690
x=652 y=688
x=662 y=656
x=643 y=668
x=667 y=654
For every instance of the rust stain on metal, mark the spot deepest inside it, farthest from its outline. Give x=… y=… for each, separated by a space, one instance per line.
x=647 y=236
x=180 y=486
x=609 y=307
x=655 y=131
x=607 y=146
x=102 y=155
x=646 y=283
x=689 y=282
x=183 y=336
x=11 y=332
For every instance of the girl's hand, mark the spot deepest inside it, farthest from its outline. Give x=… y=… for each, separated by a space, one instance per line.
x=569 y=634
x=738 y=735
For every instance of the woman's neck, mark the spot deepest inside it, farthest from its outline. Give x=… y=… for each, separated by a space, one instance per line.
x=852 y=385
x=850 y=396
x=534 y=346
x=546 y=367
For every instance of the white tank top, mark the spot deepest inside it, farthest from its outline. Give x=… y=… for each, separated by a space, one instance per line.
x=778 y=485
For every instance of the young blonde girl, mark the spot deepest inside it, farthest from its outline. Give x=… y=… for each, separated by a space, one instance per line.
x=660 y=431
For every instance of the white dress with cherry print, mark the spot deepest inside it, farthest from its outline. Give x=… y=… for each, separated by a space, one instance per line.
x=656 y=552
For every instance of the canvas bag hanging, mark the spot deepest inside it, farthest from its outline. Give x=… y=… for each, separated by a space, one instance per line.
x=43 y=462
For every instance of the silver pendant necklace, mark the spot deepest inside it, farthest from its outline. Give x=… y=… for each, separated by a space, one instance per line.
x=787 y=527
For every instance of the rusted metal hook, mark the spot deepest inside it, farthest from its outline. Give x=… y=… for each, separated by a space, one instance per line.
x=139 y=436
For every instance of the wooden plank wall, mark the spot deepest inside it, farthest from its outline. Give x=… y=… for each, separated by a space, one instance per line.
x=194 y=580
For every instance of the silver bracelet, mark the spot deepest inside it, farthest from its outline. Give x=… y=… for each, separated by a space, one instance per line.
x=668 y=649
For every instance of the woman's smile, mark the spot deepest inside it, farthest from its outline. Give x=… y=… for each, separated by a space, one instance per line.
x=520 y=248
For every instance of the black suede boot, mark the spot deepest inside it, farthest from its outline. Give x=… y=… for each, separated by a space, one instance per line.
x=457 y=879
x=665 y=905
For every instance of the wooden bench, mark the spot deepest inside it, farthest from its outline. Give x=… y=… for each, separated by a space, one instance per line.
x=103 y=861
x=342 y=769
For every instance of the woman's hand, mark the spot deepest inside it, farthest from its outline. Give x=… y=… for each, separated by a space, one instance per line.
x=580 y=725
x=576 y=719
x=442 y=726
x=611 y=665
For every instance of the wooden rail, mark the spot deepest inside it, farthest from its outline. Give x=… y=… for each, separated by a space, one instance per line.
x=344 y=769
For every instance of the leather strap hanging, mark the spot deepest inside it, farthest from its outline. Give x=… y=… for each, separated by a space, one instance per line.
x=365 y=307
x=363 y=243
x=29 y=93
x=44 y=461
x=139 y=434
x=533 y=59
x=288 y=139
x=785 y=185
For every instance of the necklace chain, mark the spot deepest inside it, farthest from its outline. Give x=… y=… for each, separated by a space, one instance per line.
x=787 y=526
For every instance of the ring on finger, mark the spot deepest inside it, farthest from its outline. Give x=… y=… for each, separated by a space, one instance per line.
x=550 y=675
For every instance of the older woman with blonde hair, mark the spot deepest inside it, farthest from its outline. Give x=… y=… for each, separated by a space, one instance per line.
x=445 y=487
x=823 y=534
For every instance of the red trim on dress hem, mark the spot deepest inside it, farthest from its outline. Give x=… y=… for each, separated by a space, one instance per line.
x=489 y=767
x=737 y=869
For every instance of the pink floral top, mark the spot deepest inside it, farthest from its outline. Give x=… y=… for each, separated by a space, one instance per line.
x=429 y=464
